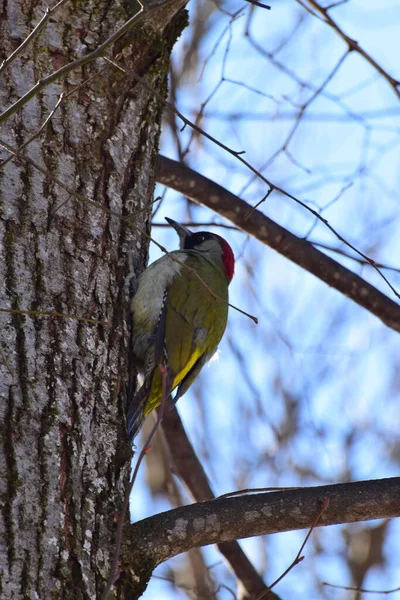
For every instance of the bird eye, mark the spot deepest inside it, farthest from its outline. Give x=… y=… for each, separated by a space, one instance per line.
x=201 y=238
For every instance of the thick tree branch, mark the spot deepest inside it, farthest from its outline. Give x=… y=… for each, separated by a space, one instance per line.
x=203 y=191
x=167 y=534
x=190 y=470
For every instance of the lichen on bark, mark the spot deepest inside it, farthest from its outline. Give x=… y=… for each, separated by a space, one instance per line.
x=64 y=453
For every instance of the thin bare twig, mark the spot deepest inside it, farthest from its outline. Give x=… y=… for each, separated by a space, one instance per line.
x=255 y=207
x=335 y=4
x=298 y=557
x=203 y=191
x=47 y=14
x=361 y=590
x=352 y=44
x=360 y=261
x=237 y=155
x=255 y=491
x=80 y=62
x=310 y=100
x=63 y=96
x=260 y=4
x=5 y=361
x=200 y=224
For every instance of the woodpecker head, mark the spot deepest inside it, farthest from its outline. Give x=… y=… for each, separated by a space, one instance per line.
x=212 y=245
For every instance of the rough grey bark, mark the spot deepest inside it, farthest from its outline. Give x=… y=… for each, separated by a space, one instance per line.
x=64 y=455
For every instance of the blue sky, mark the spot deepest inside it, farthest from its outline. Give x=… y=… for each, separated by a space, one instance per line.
x=311 y=394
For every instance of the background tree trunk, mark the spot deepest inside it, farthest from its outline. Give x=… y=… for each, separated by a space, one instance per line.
x=64 y=454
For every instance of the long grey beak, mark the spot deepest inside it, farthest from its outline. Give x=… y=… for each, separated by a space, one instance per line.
x=181 y=230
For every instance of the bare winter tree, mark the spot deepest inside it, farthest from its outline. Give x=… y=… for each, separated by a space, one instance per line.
x=83 y=89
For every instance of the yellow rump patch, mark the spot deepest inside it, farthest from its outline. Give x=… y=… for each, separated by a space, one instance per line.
x=191 y=362
x=154 y=398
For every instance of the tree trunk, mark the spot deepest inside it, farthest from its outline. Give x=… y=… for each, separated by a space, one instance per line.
x=65 y=458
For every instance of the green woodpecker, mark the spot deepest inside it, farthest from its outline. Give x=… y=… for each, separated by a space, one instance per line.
x=177 y=321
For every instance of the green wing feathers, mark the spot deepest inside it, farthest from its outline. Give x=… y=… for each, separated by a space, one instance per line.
x=194 y=325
